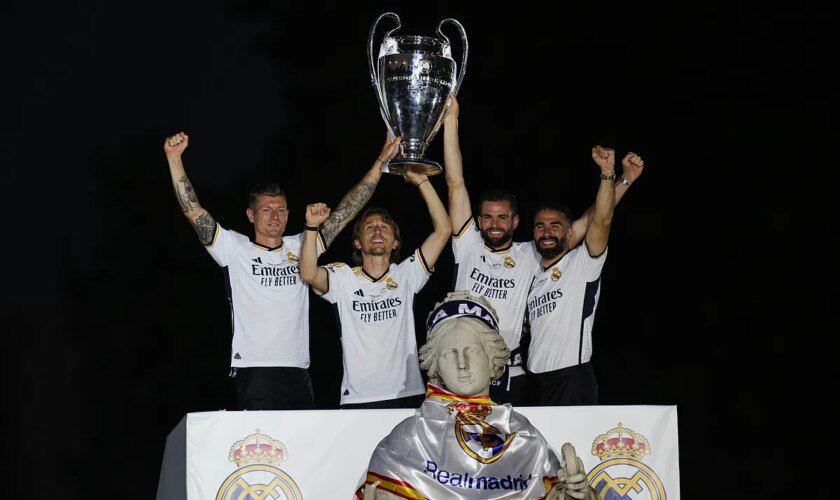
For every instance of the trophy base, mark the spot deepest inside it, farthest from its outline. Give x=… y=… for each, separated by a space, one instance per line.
x=399 y=166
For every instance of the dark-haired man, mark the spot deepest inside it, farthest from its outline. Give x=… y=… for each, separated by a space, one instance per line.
x=564 y=293
x=487 y=260
x=269 y=302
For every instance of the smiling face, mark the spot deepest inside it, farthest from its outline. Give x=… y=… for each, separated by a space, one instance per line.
x=376 y=236
x=497 y=221
x=463 y=363
x=552 y=232
x=269 y=215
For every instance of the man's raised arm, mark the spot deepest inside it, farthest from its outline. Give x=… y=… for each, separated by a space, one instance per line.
x=310 y=272
x=435 y=242
x=599 y=229
x=453 y=169
x=201 y=220
x=629 y=173
x=359 y=195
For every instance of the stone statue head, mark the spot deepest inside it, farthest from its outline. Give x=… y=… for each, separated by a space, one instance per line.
x=464 y=352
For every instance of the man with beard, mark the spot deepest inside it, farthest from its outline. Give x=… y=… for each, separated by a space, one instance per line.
x=375 y=301
x=487 y=260
x=564 y=294
x=269 y=303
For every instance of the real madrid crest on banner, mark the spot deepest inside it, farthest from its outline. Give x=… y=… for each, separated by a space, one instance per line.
x=621 y=473
x=476 y=437
x=257 y=458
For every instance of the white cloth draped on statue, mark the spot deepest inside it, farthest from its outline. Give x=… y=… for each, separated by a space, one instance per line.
x=463 y=448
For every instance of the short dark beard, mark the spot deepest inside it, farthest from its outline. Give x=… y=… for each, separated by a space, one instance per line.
x=550 y=253
x=501 y=241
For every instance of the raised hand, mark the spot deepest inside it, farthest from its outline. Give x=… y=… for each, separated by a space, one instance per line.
x=413 y=177
x=604 y=158
x=390 y=149
x=316 y=214
x=176 y=144
x=632 y=166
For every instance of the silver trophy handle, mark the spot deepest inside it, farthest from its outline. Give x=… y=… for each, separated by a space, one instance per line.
x=463 y=33
x=373 y=67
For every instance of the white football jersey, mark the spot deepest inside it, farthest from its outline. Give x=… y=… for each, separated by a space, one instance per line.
x=377 y=329
x=269 y=302
x=561 y=308
x=501 y=276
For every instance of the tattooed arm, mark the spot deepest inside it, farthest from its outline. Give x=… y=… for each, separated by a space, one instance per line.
x=202 y=221
x=356 y=198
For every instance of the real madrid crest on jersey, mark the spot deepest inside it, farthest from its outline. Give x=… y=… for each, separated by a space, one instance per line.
x=555 y=274
x=509 y=262
x=292 y=257
x=390 y=284
x=477 y=438
x=257 y=458
x=621 y=473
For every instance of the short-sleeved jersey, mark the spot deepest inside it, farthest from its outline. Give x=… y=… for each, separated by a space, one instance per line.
x=269 y=302
x=377 y=329
x=561 y=308
x=501 y=276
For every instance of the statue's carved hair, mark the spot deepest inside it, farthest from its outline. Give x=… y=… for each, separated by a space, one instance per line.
x=493 y=343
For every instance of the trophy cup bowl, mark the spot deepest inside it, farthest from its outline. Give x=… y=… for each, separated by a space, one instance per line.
x=413 y=77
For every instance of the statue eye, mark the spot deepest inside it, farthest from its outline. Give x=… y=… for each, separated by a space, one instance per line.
x=449 y=353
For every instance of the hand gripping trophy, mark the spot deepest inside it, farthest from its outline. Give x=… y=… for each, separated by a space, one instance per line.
x=413 y=77
x=460 y=444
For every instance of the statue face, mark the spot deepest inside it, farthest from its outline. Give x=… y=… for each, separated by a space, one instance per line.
x=463 y=363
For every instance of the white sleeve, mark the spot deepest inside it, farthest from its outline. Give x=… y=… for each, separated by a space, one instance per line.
x=416 y=270
x=465 y=238
x=320 y=247
x=591 y=266
x=221 y=248
x=336 y=273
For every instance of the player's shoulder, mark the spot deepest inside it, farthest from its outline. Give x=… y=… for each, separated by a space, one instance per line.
x=233 y=235
x=339 y=267
x=294 y=239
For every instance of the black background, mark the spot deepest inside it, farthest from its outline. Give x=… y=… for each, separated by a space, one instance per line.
x=117 y=319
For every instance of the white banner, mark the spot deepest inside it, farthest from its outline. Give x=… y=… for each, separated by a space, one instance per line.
x=630 y=452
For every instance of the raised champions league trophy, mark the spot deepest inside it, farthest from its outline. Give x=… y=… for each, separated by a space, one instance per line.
x=413 y=77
